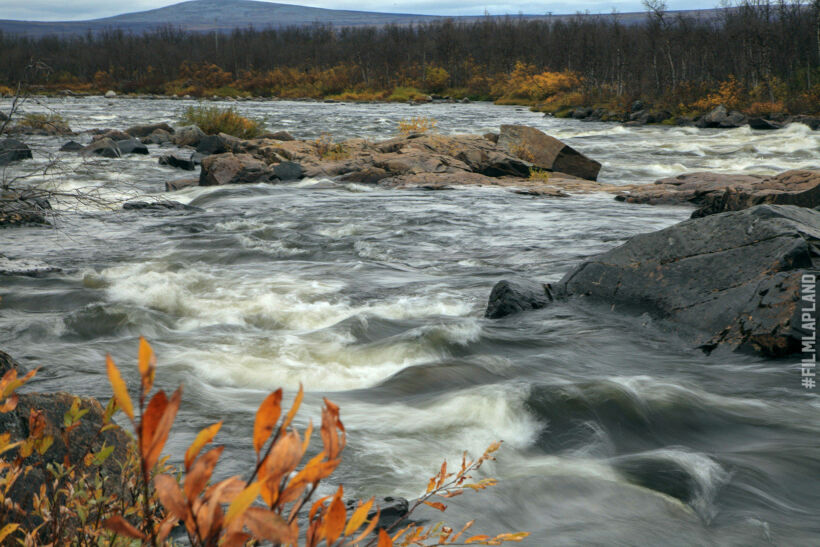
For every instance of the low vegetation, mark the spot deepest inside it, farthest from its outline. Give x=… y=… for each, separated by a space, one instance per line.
x=77 y=503
x=420 y=124
x=214 y=120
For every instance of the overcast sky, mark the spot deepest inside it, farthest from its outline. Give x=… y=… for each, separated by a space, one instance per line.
x=67 y=10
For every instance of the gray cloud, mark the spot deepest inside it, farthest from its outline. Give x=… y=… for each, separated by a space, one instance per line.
x=61 y=10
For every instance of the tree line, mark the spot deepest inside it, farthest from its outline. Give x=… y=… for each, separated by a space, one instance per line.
x=766 y=51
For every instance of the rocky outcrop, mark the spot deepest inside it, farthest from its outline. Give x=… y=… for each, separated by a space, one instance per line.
x=717 y=192
x=546 y=152
x=12 y=150
x=20 y=211
x=218 y=144
x=798 y=187
x=686 y=188
x=512 y=296
x=732 y=280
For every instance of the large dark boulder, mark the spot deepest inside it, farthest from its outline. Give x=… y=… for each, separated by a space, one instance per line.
x=229 y=168
x=13 y=150
x=515 y=295
x=546 y=152
x=139 y=131
x=720 y=117
x=158 y=136
x=71 y=146
x=764 y=124
x=732 y=280
x=218 y=144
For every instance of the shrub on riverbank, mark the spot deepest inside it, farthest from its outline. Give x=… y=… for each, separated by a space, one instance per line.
x=146 y=500
x=214 y=120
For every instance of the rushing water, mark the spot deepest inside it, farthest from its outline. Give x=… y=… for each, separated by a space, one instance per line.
x=614 y=433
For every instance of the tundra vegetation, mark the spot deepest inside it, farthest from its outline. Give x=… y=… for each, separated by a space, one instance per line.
x=757 y=56
x=148 y=501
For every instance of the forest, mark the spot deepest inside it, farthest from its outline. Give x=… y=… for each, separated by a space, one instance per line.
x=757 y=56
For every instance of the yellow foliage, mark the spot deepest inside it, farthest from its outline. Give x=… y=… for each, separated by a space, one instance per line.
x=215 y=120
x=730 y=94
x=419 y=124
x=327 y=149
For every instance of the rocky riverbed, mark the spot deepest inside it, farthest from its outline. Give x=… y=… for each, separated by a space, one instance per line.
x=618 y=425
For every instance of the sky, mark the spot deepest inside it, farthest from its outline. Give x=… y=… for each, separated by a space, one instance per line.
x=78 y=10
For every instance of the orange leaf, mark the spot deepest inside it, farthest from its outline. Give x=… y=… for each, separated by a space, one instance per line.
x=235 y=539
x=475 y=539
x=367 y=531
x=200 y=474
x=297 y=402
x=119 y=388
x=384 y=539
x=10 y=403
x=146 y=363
x=121 y=526
x=268 y=525
x=436 y=505
x=358 y=517
x=226 y=490
x=171 y=496
x=335 y=518
x=150 y=420
x=163 y=428
x=165 y=528
x=203 y=437
x=242 y=502
x=266 y=418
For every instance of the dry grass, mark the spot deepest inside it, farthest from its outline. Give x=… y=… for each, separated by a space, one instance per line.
x=214 y=120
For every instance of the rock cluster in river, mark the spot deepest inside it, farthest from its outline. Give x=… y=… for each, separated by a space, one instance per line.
x=427 y=160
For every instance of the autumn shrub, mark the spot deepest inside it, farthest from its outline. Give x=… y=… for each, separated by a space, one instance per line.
x=406 y=94
x=42 y=121
x=419 y=124
x=214 y=120
x=730 y=93
x=765 y=108
x=541 y=175
x=6 y=91
x=274 y=504
x=329 y=150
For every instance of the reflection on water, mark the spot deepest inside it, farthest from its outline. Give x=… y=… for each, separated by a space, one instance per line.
x=613 y=433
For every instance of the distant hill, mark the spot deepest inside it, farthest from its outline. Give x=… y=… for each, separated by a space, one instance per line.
x=226 y=15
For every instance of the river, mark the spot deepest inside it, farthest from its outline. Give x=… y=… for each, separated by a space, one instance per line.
x=613 y=434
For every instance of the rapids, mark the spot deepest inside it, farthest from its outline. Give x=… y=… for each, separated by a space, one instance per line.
x=614 y=433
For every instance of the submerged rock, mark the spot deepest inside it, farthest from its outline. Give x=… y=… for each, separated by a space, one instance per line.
x=190 y=135
x=178 y=161
x=132 y=146
x=19 y=211
x=139 y=131
x=515 y=295
x=71 y=146
x=731 y=280
x=546 y=152
x=13 y=150
x=25 y=266
x=106 y=148
x=179 y=184
x=7 y=364
x=163 y=205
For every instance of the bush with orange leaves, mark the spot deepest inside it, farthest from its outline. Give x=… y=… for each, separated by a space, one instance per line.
x=274 y=504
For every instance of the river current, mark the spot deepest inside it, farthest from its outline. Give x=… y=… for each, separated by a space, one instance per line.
x=614 y=434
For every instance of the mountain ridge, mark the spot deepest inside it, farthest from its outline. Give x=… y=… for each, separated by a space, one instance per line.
x=227 y=15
